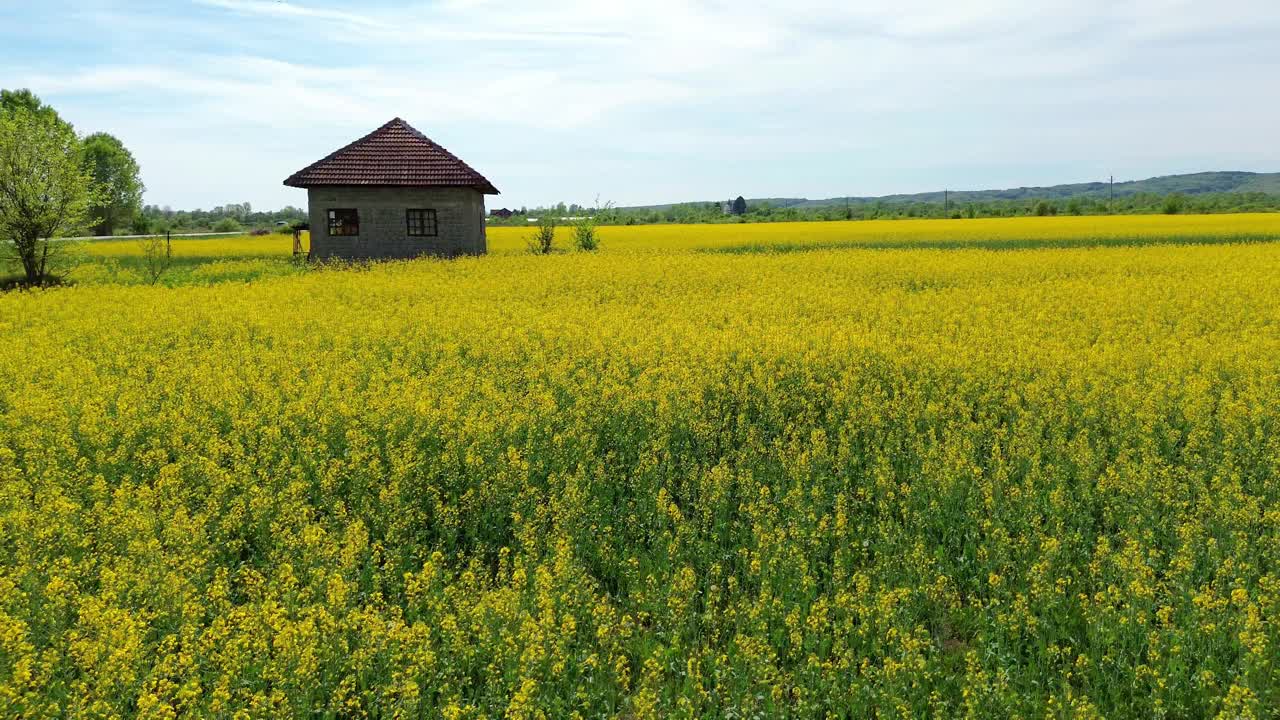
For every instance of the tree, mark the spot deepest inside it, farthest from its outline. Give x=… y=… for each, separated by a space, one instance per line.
x=14 y=100
x=157 y=256
x=141 y=225
x=740 y=206
x=1173 y=204
x=45 y=190
x=116 y=173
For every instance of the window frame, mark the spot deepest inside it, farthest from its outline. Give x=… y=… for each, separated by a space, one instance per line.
x=340 y=228
x=428 y=225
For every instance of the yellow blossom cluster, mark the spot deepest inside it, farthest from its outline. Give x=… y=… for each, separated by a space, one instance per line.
x=655 y=481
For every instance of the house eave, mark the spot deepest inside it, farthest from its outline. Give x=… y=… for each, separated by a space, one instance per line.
x=487 y=189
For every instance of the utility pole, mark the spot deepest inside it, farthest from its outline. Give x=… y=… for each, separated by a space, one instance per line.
x=946 y=202
x=1111 y=206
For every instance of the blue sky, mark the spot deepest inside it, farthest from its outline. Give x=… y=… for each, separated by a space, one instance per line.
x=659 y=101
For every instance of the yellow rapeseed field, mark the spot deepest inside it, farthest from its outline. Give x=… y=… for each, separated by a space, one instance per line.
x=996 y=233
x=990 y=232
x=241 y=246
x=984 y=474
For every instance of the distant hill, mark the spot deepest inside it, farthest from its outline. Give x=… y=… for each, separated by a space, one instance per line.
x=1190 y=184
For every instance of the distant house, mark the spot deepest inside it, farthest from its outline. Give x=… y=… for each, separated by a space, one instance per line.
x=503 y=213
x=394 y=194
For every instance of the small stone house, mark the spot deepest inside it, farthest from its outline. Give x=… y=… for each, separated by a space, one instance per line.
x=394 y=194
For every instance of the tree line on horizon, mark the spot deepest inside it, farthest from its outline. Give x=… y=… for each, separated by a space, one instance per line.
x=238 y=216
x=231 y=217
x=775 y=211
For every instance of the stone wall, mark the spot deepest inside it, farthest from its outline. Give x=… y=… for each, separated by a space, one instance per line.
x=383 y=229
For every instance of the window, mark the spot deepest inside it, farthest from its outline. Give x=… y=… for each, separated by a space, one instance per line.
x=422 y=223
x=344 y=223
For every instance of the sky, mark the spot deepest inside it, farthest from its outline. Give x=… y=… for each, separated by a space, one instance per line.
x=663 y=101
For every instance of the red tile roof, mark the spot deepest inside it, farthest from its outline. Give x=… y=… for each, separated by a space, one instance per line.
x=393 y=155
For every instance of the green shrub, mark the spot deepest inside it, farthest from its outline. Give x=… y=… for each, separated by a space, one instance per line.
x=585 y=236
x=544 y=236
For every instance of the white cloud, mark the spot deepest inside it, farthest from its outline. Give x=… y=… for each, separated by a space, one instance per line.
x=290 y=10
x=450 y=21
